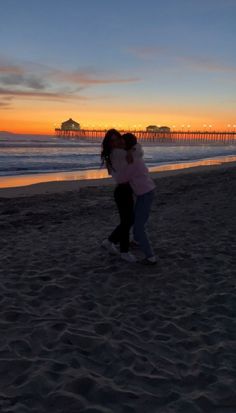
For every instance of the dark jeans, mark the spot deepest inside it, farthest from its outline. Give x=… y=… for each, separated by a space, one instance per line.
x=124 y=200
x=141 y=212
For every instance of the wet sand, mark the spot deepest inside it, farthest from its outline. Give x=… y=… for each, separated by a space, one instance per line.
x=82 y=331
x=21 y=185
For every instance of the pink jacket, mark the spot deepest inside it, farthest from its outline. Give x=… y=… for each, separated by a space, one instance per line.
x=136 y=173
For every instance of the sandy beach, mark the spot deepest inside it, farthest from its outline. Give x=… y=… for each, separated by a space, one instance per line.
x=82 y=331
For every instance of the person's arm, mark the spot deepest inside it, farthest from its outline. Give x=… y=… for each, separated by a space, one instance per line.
x=138 y=151
x=129 y=156
x=133 y=153
x=109 y=168
x=125 y=173
x=119 y=164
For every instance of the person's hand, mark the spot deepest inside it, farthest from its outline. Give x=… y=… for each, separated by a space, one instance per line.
x=108 y=166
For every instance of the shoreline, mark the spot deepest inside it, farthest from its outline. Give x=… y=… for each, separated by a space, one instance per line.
x=20 y=186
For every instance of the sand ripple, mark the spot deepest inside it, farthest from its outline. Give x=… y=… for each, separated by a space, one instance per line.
x=83 y=332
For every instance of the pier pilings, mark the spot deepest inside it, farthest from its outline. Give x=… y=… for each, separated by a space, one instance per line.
x=188 y=137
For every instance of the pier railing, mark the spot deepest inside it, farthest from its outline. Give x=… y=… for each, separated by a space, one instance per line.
x=189 y=137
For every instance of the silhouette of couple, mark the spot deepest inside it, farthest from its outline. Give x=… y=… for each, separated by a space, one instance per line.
x=134 y=194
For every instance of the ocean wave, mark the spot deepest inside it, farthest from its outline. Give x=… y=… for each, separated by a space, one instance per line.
x=34 y=157
x=12 y=171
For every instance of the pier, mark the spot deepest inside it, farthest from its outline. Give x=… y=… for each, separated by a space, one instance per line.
x=188 y=137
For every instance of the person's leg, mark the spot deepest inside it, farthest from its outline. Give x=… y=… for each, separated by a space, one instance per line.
x=142 y=211
x=126 y=210
x=116 y=233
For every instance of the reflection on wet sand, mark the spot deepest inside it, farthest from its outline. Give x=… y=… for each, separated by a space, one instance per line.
x=16 y=181
x=184 y=165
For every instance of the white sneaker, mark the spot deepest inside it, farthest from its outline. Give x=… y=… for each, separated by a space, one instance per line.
x=110 y=247
x=149 y=261
x=127 y=256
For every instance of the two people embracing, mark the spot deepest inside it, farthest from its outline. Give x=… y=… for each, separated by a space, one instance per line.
x=134 y=194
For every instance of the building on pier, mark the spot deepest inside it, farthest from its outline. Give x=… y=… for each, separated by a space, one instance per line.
x=70 y=125
x=154 y=128
x=164 y=129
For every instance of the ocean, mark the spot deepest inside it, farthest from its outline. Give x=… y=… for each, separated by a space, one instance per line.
x=35 y=154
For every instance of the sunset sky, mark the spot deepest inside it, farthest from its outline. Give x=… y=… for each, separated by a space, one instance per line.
x=124 y=63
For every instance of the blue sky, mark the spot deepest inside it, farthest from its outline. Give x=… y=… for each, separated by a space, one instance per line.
x=171 y=57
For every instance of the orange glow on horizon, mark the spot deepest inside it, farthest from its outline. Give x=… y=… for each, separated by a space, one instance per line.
x=44 y=118
x=45 y=129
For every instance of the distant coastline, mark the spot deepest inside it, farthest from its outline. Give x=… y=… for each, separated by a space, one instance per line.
x=5 y=132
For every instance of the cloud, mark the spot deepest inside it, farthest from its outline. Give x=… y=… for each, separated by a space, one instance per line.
x=37 y=81
x=206 y=64
x=10 y=69
x=84 y=78
x=12 y=75
x=30 y=81
x=17 y=75
x=146 y=53
x=7 y=98
x=5 y=103
x=17 y=81
x=36 y=94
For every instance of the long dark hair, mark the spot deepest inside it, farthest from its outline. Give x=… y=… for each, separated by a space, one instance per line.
x=106 y=148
